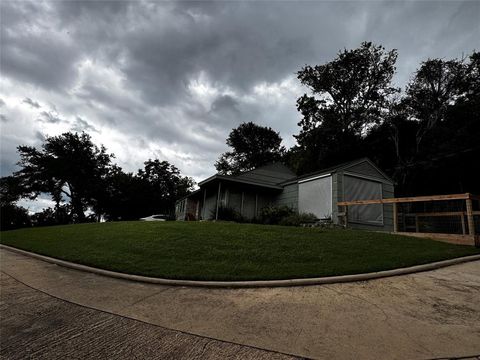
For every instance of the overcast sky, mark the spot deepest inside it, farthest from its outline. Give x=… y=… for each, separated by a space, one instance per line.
x=170 y=80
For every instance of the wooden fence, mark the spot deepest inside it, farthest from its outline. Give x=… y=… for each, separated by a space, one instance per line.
x=410 y=222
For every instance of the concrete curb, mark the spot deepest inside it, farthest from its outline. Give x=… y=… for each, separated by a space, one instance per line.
x=249 y=284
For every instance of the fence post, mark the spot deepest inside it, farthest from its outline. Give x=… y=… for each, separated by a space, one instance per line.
x=346 y=216
x=471 y=224
x=462 y=218
x=395 y=217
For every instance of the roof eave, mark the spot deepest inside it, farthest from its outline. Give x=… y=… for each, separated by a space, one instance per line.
x=240 y=181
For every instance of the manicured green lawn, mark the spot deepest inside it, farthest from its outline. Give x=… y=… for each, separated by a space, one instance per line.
x=227 y=251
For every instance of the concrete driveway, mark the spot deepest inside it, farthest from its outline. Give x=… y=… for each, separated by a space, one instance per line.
x=37 y=325
x=421 y=316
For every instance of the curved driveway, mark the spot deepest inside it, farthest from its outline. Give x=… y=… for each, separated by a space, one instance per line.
x=432 y=314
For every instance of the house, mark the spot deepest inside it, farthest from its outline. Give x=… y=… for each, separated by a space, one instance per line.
x=317 y=193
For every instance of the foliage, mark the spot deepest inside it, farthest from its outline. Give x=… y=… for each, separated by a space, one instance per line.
x=71 y=168
x=349 y=95
x=13 y=217
x=298 y=219
x=10 y=190
x=60 y=215
x=252 y=146
x=435 y=128
x=273 y=215
x=229 y=251
x=430 y=131
x=166 y=185
x=226 y=213
x=67 y=165
x=153 y=190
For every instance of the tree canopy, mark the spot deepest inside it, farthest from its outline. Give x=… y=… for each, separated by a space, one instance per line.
x=348 y=96
x=428 y=131
x=68 y=165
x=80 y=176
x=252 y=146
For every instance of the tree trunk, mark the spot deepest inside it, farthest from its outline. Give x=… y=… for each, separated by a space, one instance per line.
x=77 y=209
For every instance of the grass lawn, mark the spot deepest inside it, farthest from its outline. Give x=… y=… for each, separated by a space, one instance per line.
x=227 y=251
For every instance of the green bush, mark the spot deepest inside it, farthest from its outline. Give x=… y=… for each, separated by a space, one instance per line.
x=298 y=219
x=226 y=213
x=272 y=215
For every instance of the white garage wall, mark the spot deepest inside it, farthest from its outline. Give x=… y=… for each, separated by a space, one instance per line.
x=315 y=196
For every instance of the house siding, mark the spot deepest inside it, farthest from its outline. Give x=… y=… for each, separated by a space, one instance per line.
x=210 y=205
x=365 y=168
x=288 y=197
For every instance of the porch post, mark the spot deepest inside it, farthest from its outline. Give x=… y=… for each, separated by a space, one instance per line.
x=204 y=200
x=218 y=199
x=241 y=204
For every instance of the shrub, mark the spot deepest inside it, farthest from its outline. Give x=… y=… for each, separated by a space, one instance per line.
x=272 y=215
x=226 y=213
x=298 y=219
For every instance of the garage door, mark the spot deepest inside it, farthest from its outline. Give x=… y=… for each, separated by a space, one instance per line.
x=356 y=188
x=315 y=196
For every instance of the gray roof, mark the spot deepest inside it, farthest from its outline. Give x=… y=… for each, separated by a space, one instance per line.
x=271 y=174
x=342 y=166
x=276 y=175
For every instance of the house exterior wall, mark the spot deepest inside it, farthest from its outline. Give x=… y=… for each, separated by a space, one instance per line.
x=364 y=168
x=210 y=204
x=180 y=209
x=367 y=171
x=288 y=197
x=255 y=198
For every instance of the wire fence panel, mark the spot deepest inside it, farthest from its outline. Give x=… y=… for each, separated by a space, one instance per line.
x=457 y=216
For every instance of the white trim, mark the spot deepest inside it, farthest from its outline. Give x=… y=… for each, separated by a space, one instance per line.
x=314 y=178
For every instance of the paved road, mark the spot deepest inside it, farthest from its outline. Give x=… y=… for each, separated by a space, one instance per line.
x=36 y=325
x=427 y=315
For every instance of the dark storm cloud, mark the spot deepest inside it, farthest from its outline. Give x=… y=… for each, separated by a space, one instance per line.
x=178 y=76
x=28 y=57
x=49 y=117
x=225 y=103
x=80 y=125
x=32 y=103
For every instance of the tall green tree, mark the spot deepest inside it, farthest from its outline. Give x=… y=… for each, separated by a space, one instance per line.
x=252 y=146
x=166 y=185
x=348 y=96
x=66 y=166
x=437 y=128
x=12 y=216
